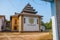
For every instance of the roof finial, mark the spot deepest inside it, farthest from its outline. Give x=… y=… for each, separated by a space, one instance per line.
x=28 y=4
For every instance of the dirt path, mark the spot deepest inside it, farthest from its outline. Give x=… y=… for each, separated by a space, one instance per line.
x=23 y=36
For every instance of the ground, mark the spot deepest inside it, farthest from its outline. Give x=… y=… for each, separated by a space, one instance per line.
x=25 y=36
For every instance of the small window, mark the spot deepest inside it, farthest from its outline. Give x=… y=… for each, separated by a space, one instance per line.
x=37 y=21
x=15 y=21
x=24 y=20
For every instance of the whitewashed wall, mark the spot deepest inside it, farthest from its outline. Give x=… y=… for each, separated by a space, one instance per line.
x=1 y=23
x=30 y=27
x=42 y=28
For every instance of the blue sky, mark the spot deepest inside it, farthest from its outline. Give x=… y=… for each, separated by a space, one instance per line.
x=9 y=7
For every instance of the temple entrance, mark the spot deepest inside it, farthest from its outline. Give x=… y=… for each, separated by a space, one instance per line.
x=15 y=28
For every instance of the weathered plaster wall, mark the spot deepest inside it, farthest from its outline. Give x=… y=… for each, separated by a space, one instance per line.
x=30 y=27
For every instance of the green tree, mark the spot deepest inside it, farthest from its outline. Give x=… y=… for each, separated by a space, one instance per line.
x=42 y=23
x=48 y=25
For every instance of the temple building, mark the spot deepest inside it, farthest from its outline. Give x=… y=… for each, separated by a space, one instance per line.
x=2 y=23
x=26 y=21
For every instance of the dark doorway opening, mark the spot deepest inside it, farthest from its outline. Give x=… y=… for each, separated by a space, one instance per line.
x=15 y=28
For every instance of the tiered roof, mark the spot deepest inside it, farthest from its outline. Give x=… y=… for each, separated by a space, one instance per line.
x=29 y=9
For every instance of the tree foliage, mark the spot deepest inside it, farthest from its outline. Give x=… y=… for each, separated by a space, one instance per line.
x=48 y=25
